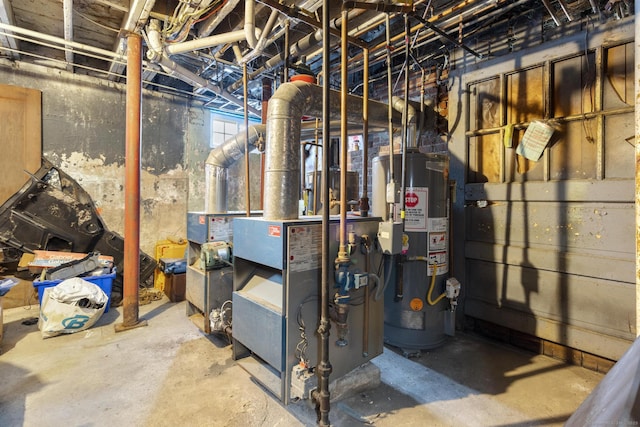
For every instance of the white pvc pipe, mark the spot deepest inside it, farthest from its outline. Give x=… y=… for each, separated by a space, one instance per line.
x=197 y=44
x=262 y=43
x=250 y=22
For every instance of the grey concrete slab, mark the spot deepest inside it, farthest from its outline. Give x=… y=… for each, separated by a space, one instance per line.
x=170 y=373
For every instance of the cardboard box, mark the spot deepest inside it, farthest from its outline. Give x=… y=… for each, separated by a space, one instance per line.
x=175 y=287
x=50 y=259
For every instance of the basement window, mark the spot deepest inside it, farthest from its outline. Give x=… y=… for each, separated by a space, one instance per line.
x=223 y=128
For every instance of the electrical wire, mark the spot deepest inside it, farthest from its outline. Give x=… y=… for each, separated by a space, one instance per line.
x=303 y=344
x=96 y=23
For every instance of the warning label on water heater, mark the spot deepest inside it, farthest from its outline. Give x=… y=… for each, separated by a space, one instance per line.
x=416 y=208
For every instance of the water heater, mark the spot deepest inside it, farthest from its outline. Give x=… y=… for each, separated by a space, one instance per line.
x=415 y=307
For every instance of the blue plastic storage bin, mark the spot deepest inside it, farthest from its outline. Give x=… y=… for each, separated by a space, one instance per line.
x=104 y=282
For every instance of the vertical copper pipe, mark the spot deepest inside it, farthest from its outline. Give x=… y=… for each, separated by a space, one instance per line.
x=285 y=71
x=131 y=272
x=247 y=183
x=342 y=250
x=364 y=200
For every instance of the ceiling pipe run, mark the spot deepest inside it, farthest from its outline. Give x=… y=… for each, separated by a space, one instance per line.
x=198 y=44
x=211 y=23
x=262 y=42
x=300 y=47
x=282 y=154
x=133 y=22
x=157 y=55
x=248 y=34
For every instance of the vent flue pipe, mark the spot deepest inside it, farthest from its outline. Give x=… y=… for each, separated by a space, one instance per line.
x=282 y=154
x=218 y=163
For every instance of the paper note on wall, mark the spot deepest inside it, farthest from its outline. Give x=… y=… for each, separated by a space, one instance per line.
x=535 y=140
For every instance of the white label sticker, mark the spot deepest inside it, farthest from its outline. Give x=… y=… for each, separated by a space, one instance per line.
x=416 y=208
x=305 y=246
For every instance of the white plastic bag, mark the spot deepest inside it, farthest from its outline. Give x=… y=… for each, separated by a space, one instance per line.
x=71 y=306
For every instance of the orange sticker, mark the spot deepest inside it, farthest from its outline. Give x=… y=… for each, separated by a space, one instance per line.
x=274 y=230
x=416 y=304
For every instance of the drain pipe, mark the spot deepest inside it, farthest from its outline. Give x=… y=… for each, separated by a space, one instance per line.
x=219 y=161
x=262 y=42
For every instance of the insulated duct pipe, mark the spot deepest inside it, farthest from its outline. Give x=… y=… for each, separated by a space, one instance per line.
x=219 y=161
x=288 y=104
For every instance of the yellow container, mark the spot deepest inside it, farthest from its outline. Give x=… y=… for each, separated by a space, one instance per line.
x=169 y=248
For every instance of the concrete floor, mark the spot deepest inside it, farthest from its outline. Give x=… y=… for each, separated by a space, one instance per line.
x=170 y=374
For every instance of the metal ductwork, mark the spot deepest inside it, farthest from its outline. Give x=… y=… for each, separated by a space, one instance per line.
x=398 y=104
x=218 y=163
x=282 y=161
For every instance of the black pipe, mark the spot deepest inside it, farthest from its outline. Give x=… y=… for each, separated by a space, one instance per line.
x=445 y=35
x=321 y=395
x=399 y=294
x=405 y=119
